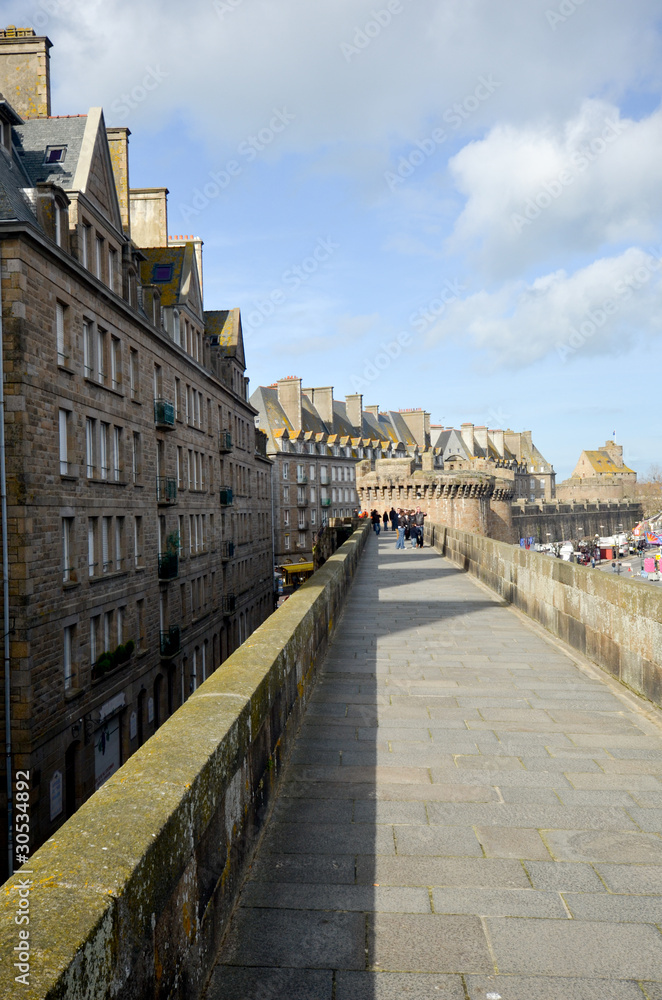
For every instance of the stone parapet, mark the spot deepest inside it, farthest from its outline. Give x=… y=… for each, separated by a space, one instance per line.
x=613 y=621
x=132 y=895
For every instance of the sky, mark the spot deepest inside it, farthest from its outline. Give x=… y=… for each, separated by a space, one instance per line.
x=447 y=204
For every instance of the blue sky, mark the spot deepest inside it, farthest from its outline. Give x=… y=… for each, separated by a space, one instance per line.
x=452 y=204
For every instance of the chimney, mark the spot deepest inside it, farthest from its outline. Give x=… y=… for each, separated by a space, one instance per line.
x=323 y=403
x=480 y=437
x=467 y=431
x=374 y=410
x=418 y=422
x=149 y=216
x=355 y=411
x=289 y=397
x=118 y=141
x=25 y=77
x=498 y=442
x=181 y=241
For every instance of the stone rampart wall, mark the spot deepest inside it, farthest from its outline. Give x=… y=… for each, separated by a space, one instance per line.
x=615 y=622
x=565 y=520
x=131 y=896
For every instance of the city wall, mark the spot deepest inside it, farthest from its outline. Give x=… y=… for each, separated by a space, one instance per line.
x=615 y=622
x=566 y=520
x=132 y=895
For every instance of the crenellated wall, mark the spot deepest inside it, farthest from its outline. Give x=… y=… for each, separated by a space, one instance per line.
x=130 y=897
x=566 y=520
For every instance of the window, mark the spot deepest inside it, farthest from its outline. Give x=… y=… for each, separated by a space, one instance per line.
x=64 y=441
x=107 y=630
x=286 y=469
x=286 y=494
x=138 y=541
x=119 y=544
x=107 y=564
x=68 y=572
x=136 y=459
x=178 y=399
x=88 y=351
x=60 y=321
x=115 y=364
x=90 y=432
x=55 y=154
x=117 y=445
x=120 y=626
x=286 y=517
x=67 y=657
x=85 y=233
x=180 y=468
x=162 y=272
x=98 y=257
x=112 y=267
x=94 y=637
x=158 y=381
x=103 y=449
x=313 y=517
x=92 y=545
x=57 y=215
x=133 y=373
x=102 y=347
x=287 y=541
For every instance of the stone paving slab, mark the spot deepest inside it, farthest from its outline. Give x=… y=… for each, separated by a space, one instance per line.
x=466 y=814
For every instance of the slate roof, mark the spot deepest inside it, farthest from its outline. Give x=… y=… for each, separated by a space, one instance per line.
x=14 y=205
x=34 y=136
x=226 y=325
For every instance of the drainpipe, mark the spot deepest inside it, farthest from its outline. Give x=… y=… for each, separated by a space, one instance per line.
x=5 y=603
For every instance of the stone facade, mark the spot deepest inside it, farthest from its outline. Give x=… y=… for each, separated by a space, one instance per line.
x=139 y=500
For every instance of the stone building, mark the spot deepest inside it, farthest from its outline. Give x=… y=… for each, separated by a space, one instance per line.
x=600 y=475
x=138 y=500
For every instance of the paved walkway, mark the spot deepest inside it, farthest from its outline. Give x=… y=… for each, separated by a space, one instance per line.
x=466 y=814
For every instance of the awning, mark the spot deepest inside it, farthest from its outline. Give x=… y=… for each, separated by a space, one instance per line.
x=299 y=568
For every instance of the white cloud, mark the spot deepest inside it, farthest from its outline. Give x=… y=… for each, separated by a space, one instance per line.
x=600 y=309
x=535 y=192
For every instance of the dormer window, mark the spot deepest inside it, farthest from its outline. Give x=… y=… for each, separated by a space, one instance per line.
x=162 y=272
x=55 y=154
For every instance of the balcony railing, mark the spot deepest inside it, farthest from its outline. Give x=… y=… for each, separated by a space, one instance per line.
x=326 y=501
x=164 y=413
x=324 y=480
x=168 y=565
x=302 y=501
x=302 y=525
x=225 y=497
x=302 y=480
x=227 y=551
x=170 y=641
x=225 y=442
x=166 y=489
x=229 y=604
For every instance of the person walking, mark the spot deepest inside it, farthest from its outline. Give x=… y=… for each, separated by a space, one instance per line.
x=413 y=529
x=400 y=543
x=393 y=515
x=385 y=520
x=376 y=521
x=419 y=518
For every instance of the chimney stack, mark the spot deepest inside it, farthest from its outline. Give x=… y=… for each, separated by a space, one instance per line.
x=118 y=141
x=373 y=410
x=323 y=403
x=25 y=76
x=355 y=412
x=467 y=432
x=289 y=397
x=149 y=216
x=480 y=437
x=498 y=442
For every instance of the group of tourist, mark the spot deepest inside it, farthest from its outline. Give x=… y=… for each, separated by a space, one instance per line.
x=407 y=523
